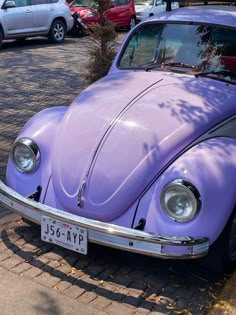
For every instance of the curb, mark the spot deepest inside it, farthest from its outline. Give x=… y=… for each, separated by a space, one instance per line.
x=225 y=304
x=19 y=295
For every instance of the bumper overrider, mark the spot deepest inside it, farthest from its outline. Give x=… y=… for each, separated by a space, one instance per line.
x=163 y=246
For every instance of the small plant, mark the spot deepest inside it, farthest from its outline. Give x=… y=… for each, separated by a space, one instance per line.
x=103 y=36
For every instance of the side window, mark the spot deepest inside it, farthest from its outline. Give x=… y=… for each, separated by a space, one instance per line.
x=21 y=3
x=53 y=1
x=116 y=2
x=35 y=2
x=142 y=48
x=159 y=2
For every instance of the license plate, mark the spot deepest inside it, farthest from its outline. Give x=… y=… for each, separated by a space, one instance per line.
x=63 y=234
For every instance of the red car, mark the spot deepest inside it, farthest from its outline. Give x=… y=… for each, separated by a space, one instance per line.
x=122 y=12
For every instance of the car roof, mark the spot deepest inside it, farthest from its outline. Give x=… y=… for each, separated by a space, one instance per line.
x=211 y=14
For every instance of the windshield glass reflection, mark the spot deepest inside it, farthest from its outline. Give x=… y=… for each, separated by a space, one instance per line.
x=198 y=48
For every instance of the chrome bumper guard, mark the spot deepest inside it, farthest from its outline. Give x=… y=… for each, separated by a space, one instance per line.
x=111 y=235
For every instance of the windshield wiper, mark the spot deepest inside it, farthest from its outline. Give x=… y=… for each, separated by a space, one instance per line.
x=168 y=64
x=222 y=72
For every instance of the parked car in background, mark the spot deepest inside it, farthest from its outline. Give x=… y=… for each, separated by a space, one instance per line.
x=144 y=159
x=122 y=12
x=20 y=19
x=147 y=8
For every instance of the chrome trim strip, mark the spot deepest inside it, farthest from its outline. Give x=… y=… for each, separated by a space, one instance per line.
x=80 y=202
x=109 y=234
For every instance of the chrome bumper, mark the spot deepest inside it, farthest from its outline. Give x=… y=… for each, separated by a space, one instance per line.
x=111 y=235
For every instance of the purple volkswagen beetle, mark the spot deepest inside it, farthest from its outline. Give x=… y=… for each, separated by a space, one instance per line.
x=144 y=160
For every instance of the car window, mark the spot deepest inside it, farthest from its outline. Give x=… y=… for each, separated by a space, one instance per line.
x=159 y=3
x=82 y=3
x=203 y=47
x=21 y=3
x=123 y=2
x=142 y=2
x=118 y=3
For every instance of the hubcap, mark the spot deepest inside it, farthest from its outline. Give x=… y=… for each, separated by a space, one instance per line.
x=58 y=32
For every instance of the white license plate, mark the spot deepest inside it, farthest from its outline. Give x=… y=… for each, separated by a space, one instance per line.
x=63 y=234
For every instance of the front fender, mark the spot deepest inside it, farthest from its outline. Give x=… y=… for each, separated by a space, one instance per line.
x=211 y=167
x=42 y=129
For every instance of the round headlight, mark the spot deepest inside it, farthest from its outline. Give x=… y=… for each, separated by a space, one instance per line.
x=25 y=155
x=180 y=200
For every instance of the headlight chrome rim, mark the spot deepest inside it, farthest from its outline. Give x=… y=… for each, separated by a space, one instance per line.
x=33 y=150
x=191 y=191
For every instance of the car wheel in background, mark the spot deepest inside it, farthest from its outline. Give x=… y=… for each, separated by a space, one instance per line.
x=1 y=37
x=21 y=40
x=132 y=22
x=57 y=32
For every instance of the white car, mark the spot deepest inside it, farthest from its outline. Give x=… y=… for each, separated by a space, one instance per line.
x=28 y=18
x=146 y=8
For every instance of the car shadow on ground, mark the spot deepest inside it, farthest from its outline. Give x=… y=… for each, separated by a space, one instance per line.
x=32 y=43
x=43 y=42
x=137 y=281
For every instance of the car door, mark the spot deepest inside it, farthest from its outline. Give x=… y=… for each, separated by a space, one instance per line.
x=119 y=13
x=43 y=13
x=19 y=19
x=159 y=6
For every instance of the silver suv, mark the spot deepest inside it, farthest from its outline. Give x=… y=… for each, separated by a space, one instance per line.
x=27 y=18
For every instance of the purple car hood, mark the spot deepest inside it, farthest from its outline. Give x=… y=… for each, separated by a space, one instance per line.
x=121 y=131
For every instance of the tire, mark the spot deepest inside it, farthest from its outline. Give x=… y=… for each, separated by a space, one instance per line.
x=76 y=31
x=1 y=38
x=222 y=254
x=132 y=22
x=57 y=32
x=21 y=40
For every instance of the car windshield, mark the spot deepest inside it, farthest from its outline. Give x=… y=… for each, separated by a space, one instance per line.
x=205 y=49
x=82 y=3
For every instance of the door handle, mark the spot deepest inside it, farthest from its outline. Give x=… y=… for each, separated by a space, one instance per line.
x=52 y=9
x=28 y=11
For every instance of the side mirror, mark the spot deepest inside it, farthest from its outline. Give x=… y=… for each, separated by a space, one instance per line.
x=9 y=4
x=112 y=5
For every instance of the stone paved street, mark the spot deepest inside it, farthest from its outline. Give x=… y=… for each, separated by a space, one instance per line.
x=37 y=75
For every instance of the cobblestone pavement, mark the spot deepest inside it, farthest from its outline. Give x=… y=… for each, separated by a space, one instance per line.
x=37 y=75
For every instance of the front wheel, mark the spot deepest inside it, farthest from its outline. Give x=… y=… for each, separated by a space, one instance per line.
x=57 y=32
x=222 y=254
x=132 y=22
